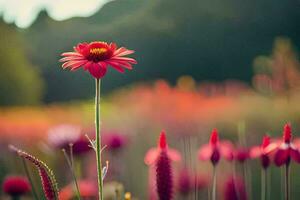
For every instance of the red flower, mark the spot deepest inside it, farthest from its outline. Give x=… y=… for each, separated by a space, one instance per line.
x=96 y=57
x=263 y=151
x=87 y=189
x=216 y=149
x=286 y=150
x=16 y=185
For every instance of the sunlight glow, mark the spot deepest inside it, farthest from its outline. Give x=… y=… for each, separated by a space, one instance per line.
x=24 y=12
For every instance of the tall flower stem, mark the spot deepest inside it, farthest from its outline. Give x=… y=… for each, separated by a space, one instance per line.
x=287 y=181
x=214 y=188
x=98 y=139
x=264 y=184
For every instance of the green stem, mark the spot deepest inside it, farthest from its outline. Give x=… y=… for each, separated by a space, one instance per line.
x=287 y=181
x=214 y=189
x=98 y=139
x=70 y=164
x=264 y=184
x=30 y=179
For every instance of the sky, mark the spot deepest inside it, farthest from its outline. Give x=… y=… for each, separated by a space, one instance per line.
x=23 y=12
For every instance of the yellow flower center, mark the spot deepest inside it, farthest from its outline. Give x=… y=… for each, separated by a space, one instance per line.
x=98 y=51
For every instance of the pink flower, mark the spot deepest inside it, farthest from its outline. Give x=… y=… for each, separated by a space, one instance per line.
x=216 y=149
x=61 y=136
x=185 y=182
x=263 y=151
x=16 y=186
x=286 y=151
x=96 y=57
x=87 y=189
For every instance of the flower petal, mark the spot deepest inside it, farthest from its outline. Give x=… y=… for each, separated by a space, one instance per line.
x=71 y=54
x=116 y=66
x=123 y=52
x=226 y=150
x=78 y=65
x=295 y=154
x=117 y=59
x=69 y=58
x=97 y=71
x=205 y=152
x=73 y=64
x=281 y=156
x=255 y=152
x=174 y=155
x=151 y=156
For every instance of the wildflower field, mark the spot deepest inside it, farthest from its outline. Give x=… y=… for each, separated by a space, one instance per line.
x=102 y=102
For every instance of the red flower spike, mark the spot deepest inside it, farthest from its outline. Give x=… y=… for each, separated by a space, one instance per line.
x=287 y=133
x=214 y=137
x=162 y=140
x=16 y=186
x=96 y=57
x=164 y=177
x=48 y=180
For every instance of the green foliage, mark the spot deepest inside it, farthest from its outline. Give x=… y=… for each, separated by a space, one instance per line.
x=20 y=82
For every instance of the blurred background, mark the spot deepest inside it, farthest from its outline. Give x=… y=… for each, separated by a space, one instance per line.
x=201 y=64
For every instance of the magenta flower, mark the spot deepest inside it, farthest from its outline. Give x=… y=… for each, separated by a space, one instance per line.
x=164 y=174
x=234 y=189
x=16 y=186
x=241 y=154
x=96 y=57
x=185 y=182
x=81 y=146
x=216 y=149
x=151 y=158
x=286 y=151
x=263 y=151
x=115 y=141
